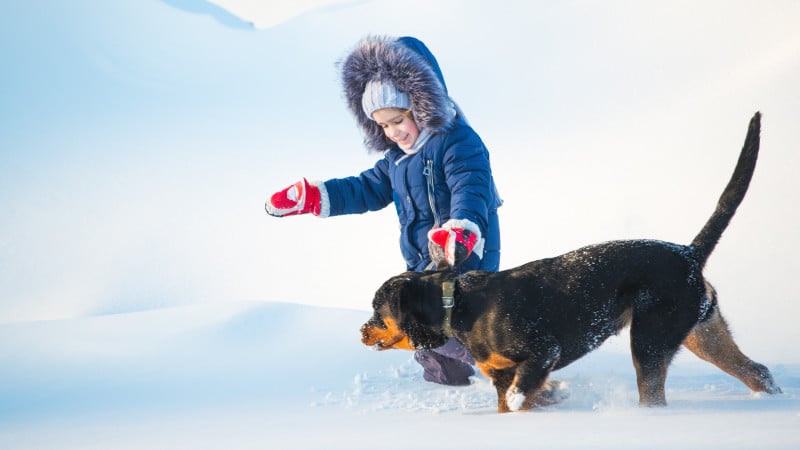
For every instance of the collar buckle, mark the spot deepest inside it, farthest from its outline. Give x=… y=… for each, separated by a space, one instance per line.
x=448 y=302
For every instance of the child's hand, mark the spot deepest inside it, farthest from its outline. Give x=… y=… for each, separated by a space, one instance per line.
x=299 y=198
x=456 y=238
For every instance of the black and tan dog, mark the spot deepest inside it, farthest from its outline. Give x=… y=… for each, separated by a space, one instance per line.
x=520 y=324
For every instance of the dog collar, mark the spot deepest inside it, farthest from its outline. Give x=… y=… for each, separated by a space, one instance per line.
x=448 y=301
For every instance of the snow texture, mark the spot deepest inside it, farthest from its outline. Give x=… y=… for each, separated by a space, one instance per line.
x=288 y=376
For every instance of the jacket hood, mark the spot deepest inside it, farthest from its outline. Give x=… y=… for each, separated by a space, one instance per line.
x=412 y=68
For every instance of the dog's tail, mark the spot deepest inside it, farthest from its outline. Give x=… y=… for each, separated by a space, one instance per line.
x=705 y=241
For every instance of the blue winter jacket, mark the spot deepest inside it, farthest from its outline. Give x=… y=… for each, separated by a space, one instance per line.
x=454 y=160
x=462 y=189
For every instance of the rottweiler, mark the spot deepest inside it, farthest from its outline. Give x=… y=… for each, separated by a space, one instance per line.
x=521 y=324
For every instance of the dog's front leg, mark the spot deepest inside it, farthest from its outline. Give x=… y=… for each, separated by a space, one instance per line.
x=502 y=380
x=501 y=371
x=530 y=375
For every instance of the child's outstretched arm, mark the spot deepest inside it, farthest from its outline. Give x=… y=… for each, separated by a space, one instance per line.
x=369 y=191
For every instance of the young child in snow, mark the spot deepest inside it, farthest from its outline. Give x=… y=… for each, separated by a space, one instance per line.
x=435 y=170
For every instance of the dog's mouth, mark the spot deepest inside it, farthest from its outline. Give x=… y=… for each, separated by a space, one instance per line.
x=380 y=346
x=379 y=338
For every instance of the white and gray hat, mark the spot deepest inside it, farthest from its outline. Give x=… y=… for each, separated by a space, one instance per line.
x=380 y=94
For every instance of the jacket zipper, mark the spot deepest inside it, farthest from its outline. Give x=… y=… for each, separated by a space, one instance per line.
x=428 y=172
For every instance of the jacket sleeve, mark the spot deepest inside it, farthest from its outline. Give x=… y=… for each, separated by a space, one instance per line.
x=369 y=191
x=469 y=177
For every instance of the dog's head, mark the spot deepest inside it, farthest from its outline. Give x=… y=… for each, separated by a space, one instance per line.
x=407 y=314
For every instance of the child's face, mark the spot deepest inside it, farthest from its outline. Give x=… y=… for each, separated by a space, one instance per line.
x=398 y=126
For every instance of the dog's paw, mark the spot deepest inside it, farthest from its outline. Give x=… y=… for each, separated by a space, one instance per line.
x=514 y=398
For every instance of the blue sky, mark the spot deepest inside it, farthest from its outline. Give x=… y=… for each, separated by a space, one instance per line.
x=138 y=141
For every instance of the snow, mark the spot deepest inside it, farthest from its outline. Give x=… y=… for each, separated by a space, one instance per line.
x=264 y=15
x=288 y=376
x=147 y=301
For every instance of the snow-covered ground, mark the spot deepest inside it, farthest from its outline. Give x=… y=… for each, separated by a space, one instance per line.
x=147 y=301
x=287 y=376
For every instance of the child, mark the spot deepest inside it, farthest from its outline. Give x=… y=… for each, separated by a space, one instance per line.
x=435 y=170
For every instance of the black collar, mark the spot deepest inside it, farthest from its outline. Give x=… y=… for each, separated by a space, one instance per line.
x=448 y=301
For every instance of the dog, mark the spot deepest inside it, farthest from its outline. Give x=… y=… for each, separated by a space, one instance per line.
x=523 y=323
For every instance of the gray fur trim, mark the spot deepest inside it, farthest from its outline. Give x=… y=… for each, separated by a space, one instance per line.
x=384 y=58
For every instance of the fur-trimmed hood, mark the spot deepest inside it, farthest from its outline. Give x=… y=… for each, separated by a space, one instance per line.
x=412 y=68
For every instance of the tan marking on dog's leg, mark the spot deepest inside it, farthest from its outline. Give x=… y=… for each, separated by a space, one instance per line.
x=501 y=379
x=494 y=362
x=711 y=341
x=495 y=368
x=502 y=406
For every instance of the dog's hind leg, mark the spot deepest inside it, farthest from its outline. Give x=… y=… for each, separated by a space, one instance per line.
x=657 y=331
x=711 y=340
x=651 y=376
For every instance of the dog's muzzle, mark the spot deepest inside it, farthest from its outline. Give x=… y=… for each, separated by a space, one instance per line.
x=384 y=337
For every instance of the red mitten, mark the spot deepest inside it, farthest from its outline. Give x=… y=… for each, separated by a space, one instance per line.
x=457 y=238
x=299 y=198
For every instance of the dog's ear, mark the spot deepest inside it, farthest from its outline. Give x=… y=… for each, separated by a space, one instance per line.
x=389 y=299
x=421 y=305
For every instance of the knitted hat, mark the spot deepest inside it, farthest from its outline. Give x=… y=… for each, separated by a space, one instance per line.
x=380 y=94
